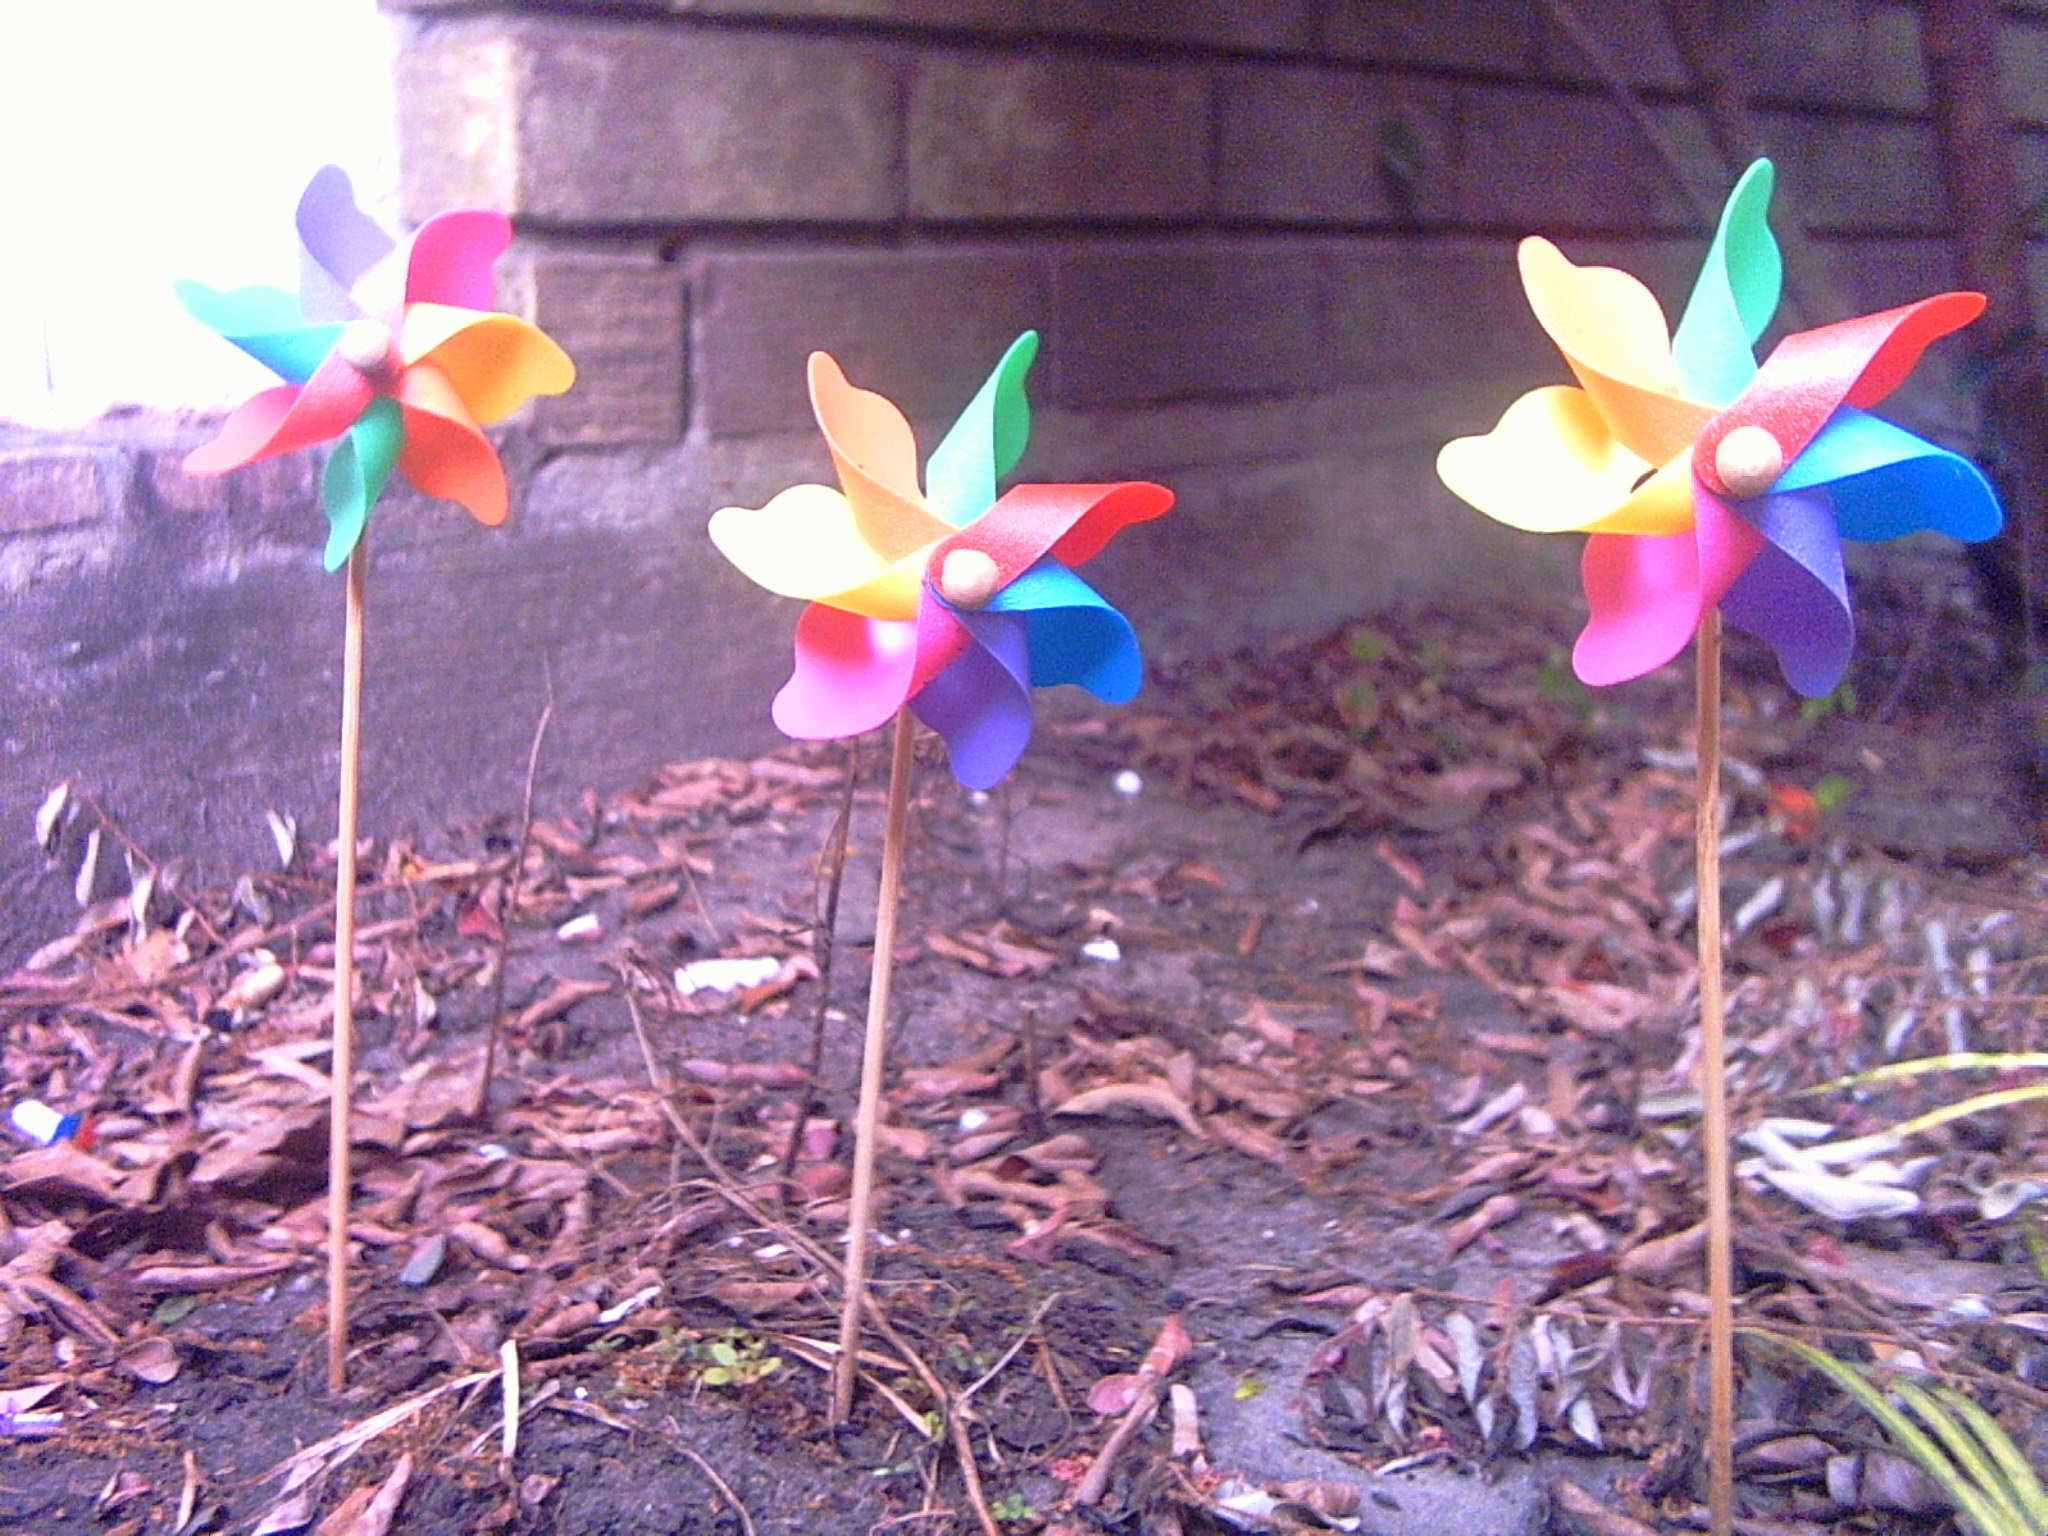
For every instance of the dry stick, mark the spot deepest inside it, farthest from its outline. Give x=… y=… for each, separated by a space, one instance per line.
x=508 y=906
x=339 y=1094
x=1714 y=1084
x=823 y=949
x=874 y=1053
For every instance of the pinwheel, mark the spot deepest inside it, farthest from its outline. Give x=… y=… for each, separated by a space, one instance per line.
x=390 y=351
x=957 y=603
x=1712 y=487
x=1705 y=481
x=948 y=603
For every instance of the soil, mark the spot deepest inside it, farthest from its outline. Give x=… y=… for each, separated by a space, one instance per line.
x=1332 y=991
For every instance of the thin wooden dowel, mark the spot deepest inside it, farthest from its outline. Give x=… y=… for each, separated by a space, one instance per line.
x=340 y=1096
x=874 y=1054
x=1714 y=1090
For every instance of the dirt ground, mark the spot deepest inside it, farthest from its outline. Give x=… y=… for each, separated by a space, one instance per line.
x=1335 y=1001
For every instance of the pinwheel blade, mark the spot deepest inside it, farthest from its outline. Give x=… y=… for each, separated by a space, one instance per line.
x=356 y=474
x=1885 y=482
x=1074 y=634
x=981 y=703
x=1794 y=595
x=1734 y=297
x=986 y=442
x=852 y=674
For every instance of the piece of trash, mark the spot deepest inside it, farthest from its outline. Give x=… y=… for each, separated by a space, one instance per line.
x=1129 y=783
x=727 y=973
x=972 y=1120
x=633 y=1303
x=977 y=798
x=45 y=1127
x=581 y=929
x=425 y=1262
x=1106 y=950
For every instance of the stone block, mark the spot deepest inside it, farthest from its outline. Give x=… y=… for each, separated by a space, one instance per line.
x=43 y=488
x=1270 y=26
x=1634 y=47
x=2023 y=67
x=1007 y=15
x=1056 y=137
x=1533 y=161
x=922 y=327
x=623 y=323
x=1320 y=146
x=1859 y=54
x=1396 y=311
x=1858 y=175
x=1498 y=38
x=610 y=123
x=1141 y=323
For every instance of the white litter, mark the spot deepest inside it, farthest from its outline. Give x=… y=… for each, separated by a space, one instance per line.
x=1106 y=950
x=1129 y=783
x=581 y=928
x=727 y=974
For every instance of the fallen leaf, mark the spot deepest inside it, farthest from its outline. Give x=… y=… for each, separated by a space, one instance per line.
x=1150 y=1099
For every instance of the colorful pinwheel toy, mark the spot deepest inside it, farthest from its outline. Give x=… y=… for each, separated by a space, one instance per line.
x=949 y=599
x=1705 y=479
x=389 y=347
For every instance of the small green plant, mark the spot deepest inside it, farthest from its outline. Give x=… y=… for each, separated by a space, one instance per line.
x=1954 y=1441
x=1841 y=701
x=1012 y=1508
x=1830 y=790
x=734 y=1358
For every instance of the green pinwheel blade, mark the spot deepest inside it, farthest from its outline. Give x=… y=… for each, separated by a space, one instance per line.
x=356 y=474
x=263 y=322
x=985 y=443
x=1734 y=298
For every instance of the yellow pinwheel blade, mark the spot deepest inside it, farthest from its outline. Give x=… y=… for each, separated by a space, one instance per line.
x=1550 y=466
x=805 y=544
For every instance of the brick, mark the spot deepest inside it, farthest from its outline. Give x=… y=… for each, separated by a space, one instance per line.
x=1882 y=274
x=1859 y=54
x=1324 y=146
x=43 y=488
x=1842 y=174
x=1268 y=26
x=1136 y=324
x=611 y=123
x=623 y=323
x=1497 y=38
x=922 y=327
x=1538 y=162
x=2023 y=68
x=1037 y=138
x=1403 y=311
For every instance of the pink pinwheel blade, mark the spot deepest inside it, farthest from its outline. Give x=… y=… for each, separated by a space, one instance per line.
x=1648 y=593
x=286 y=419
x=452 y=257
x=852 y=674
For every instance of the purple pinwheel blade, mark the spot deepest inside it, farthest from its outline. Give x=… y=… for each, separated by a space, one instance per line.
x=338 y=243
x=1794 y=595
x=981 y=704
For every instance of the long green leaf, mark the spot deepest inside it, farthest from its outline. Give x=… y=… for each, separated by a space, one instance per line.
x=2020 y=1475
x=1983 y=1473
x=1980 y=1511
x=1959 y=1061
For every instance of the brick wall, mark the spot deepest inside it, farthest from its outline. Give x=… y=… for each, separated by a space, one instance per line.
x=1269 y=244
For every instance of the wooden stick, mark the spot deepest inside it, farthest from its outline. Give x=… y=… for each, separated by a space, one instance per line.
x=339 y=1097
x=1714 y=1085
x=874 y=1053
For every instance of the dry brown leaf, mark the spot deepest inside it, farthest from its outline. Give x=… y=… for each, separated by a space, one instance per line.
x=1150 y=1099
x=369 y=1512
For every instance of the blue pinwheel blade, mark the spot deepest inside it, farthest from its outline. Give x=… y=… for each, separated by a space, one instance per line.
x=986 y=442
x=265 y=323
x=1886 y=483
x=1077 y=636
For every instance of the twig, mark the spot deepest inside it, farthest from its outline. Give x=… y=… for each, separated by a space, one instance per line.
x=823 y=948
x=508 y=905
x=874 y=1059
x=339 y=1109
x=1714 y=1085
x=1009 y=1354
x=1167 y=1351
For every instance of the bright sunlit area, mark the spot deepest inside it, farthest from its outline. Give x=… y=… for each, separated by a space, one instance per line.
x=149 y=140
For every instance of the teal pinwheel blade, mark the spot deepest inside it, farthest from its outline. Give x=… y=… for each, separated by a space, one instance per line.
x=1734 y=296
x=263 y=322
x=986 y=442
x=356 y=474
